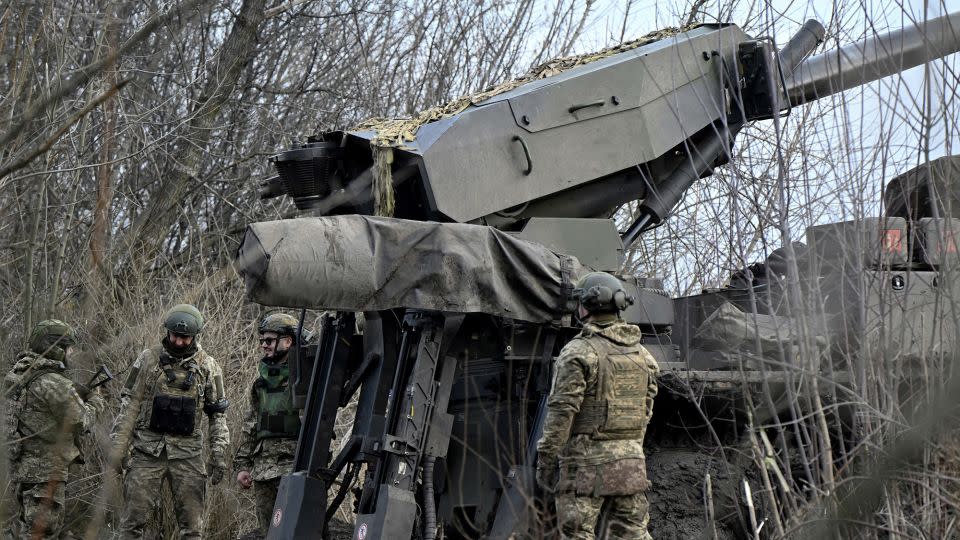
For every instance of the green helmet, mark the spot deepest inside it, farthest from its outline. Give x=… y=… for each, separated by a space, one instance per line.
x=281 y=323
x=184 y=319
x=600 y=292
x=51 y=338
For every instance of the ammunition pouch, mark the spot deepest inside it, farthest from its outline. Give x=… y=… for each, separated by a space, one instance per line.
x=278 y=425
x=175 y=415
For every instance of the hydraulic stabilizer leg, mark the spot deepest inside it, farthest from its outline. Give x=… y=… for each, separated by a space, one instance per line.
x=417 y=426
x=300 y=508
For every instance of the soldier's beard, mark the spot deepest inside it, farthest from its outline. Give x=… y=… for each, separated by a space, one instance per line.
x=179 y=352
x=277 y=356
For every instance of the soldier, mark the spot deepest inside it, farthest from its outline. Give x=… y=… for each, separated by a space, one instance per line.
x=591 y=452
x=272 y=425
x=168 y=388
x=45 y=415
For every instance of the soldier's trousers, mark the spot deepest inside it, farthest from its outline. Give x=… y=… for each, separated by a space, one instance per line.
x=40 y=511
x=143 y=486
x=265 y=491
x=581 y=518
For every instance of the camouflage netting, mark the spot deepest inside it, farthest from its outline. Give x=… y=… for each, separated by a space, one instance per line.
x=394 y=132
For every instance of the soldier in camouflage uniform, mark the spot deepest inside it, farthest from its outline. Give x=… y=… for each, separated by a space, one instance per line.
x=272 y=425
x=591 y=452
x=45 y=415
x=168 y=389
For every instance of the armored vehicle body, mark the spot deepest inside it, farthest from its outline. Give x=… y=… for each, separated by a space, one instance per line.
x=459 y=242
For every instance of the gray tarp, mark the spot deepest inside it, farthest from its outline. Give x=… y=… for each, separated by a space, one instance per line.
x=730 y=329
x=363 y=263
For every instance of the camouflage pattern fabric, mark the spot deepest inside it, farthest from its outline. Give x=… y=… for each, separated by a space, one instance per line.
x=132 y=427
x=265 y=492
x=592 y=469
x=271 y=458
x=158 y=456
x=40 y=511
x=266 y=459
x=144 y=483
x=623 y=517
x=50 y=417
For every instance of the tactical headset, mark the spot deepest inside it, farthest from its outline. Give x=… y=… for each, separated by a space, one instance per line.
x=599 y=296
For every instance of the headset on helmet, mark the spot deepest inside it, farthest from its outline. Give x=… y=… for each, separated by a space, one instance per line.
x=600 y=292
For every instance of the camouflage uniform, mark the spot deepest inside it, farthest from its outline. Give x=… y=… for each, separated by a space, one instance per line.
x=169 y=445
x=267 y=454
x=597 y=414
x=51 y=416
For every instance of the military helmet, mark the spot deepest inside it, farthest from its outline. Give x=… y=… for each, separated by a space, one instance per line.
x=281 y=323
x=51 y=338
x=600 y=292
x=184 y=319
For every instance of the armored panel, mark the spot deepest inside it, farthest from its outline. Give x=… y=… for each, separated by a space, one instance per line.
x=908 y=316
x=921 y=190
x=869 y=242
x=487 y=158
x=594 y=242
x=617 y=83
x=939 y=241
x=652 y=310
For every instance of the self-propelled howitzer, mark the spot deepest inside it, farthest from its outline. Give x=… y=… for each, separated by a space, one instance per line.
x=497 y=205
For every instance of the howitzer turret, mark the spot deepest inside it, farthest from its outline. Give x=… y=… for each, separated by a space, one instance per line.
x=497 y=204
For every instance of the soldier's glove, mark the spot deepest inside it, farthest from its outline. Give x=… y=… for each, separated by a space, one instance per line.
x=547 y=469
x=218 y=468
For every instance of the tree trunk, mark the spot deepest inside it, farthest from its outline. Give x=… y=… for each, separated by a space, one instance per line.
x=147 y=234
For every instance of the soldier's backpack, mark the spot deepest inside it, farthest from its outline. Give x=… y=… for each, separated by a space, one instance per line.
x=13 y=398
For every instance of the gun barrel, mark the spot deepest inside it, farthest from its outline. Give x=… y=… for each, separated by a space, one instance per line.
x=801 y=45
x=874 y=58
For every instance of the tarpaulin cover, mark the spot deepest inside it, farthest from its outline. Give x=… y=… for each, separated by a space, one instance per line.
x=364 y=263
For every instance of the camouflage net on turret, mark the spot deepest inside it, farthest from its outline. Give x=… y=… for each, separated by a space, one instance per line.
x=395 y=132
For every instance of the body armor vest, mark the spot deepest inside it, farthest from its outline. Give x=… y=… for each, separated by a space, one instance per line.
x=276 y=416
x=616 y=407
x=175 y=396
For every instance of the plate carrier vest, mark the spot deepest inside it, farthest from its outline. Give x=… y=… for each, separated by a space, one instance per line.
x=277 y=419
x=176 y=393
x=616 y=408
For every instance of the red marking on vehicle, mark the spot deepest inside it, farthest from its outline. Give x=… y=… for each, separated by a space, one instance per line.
x=892 y=241
x=277 y=517
x=949 y=242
